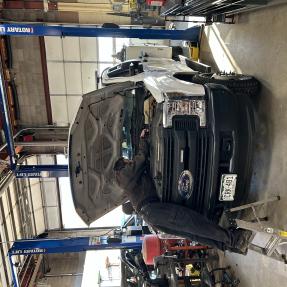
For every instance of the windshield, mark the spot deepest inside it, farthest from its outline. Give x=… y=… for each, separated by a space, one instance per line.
x=133 y=121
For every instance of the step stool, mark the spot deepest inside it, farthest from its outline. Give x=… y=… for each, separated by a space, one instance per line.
x=277 y=238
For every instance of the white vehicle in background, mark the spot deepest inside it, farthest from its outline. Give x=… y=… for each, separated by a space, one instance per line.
x=153 y=51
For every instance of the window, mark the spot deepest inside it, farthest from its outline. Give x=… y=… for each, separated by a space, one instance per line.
x=70 y=217
x=72 y=66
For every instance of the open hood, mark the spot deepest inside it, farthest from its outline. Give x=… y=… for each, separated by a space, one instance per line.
x=95 y=143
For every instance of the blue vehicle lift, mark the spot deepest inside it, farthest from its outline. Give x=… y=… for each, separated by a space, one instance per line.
x=74 y=244
x=191 y=34
x=35 y=171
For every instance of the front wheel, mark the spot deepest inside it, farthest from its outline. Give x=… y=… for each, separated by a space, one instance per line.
x=238 y=83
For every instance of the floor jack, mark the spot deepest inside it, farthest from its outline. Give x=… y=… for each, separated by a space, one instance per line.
x=277 y=237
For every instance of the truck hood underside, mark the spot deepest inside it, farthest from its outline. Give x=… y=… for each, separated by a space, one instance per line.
x=94 y=146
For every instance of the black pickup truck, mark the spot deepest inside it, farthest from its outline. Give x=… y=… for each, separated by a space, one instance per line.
x=201 y=139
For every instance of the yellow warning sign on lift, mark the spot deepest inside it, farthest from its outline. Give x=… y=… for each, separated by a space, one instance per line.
x=133 y=4
x=283 y=233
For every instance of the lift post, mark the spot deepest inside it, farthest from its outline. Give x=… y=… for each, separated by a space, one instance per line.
x=73 y=244
x=21 y=171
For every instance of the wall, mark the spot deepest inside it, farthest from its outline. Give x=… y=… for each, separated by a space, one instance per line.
x=28 y=207
x=50 y=196
x=72 y=65
x=17 y=209
x=65 y=270
x=27 y=70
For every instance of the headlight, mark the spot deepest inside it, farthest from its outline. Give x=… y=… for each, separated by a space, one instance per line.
x=191 y=107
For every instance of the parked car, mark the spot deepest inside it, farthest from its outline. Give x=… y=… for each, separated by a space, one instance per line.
x=201 y=136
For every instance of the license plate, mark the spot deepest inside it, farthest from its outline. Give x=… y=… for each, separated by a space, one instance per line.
x=227 y=187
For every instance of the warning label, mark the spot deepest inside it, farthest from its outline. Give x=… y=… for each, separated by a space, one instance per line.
x=16 y=30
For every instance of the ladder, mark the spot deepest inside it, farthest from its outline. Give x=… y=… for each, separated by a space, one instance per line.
x=277 y=237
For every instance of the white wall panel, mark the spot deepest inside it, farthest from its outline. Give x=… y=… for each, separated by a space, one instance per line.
x=71 y=48
x=39 y=218
x=56 y=75
x=14 y=203
x=73 y=105
x=2 y=274
x=5 y=205
x=54 y=51
x=7 y=216
x=18 y=223
x=59 y=110
x=36 y=195
x=38 y=206
x=53 y=217
x=88 y=49
x=65 y=263
x=4 y=246
x=50 y=192
x=106 y=49
x=46 y=159
x=9 y=269
x=51 y=204
x=32 y=160
x=15 y=207
x=88 y=76
x=73 y=78
x=34 y=181
x=13 y=193
x=9 y=228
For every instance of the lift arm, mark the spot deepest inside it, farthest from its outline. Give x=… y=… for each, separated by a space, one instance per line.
x=191 y=34
x=74 y=244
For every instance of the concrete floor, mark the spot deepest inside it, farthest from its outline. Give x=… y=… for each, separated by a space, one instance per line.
x=257 y=45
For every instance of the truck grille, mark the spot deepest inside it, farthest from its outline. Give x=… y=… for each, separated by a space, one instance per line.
x=201 y=171
x=186 y=124
x=168 y=167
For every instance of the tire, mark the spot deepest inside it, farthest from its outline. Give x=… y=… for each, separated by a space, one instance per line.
x=238 y=83
x=128 y=208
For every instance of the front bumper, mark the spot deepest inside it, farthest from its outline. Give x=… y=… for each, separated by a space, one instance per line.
x=225 y=145
x=231 y=128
